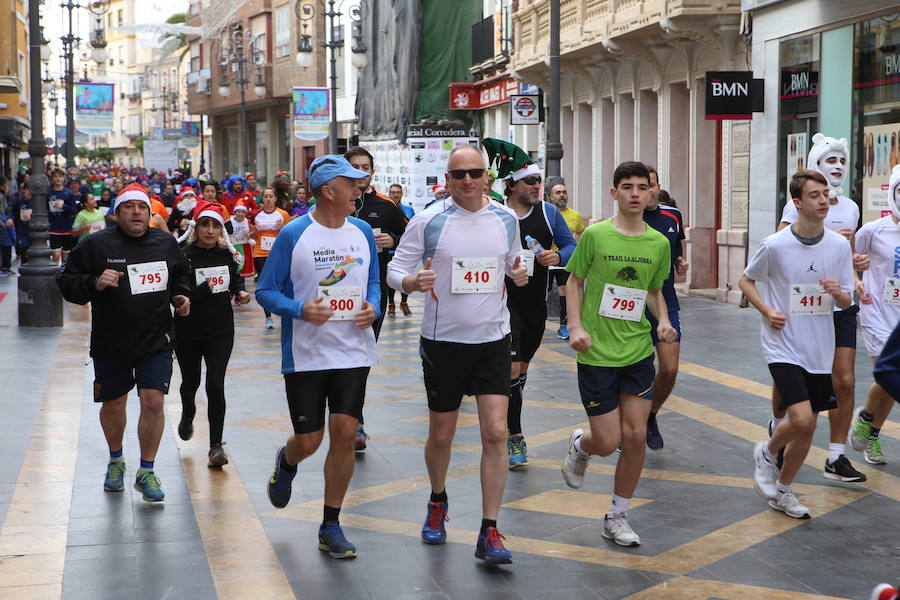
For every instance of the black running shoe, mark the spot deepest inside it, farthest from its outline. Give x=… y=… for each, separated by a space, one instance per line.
x=842 y=470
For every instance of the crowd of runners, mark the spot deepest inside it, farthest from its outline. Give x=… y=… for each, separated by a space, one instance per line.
x=163 y=259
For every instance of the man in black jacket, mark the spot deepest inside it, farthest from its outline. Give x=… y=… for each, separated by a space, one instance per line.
x=130 y=274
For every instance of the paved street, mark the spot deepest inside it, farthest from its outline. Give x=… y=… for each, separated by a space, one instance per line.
x=705 y=532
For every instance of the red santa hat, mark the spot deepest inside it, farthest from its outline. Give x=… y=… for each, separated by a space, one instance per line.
x=210 y=209
x=133 y=191
x=437 y=188
x=239 y=205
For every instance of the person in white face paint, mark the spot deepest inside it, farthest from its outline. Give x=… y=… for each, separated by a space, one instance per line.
x=829 y=157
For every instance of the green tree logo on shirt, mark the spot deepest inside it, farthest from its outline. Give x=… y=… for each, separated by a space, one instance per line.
x=627 y=274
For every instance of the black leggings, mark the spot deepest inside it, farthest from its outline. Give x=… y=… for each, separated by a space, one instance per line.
x=258 y=263
x=190 y=354
x=403 y=297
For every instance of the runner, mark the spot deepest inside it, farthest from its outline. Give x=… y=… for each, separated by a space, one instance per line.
x=806 y=268
x=180 y=218
x=667 y=221
x=61 y=209
x=253 y=189
x=395 y=193
x=322 y=279
x=828 y=156
x=238 y=229
x=130 y=274
x=559 y=196
x=879 y=293
x=267 y=223
x=465 y=241
x=207 y=333
x=619 y=266
x=88 y=220
x=540 y=227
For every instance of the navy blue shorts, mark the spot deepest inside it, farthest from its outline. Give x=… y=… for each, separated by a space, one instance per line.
x=673 y=318
x=600 y=386
x=845 y=327
x=114 y=378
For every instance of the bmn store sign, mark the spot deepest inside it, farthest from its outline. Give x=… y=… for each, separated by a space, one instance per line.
x=733 y=95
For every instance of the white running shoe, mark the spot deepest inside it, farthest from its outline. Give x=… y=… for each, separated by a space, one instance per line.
x=270 y=324
x=765 y=473
x=575 y=465
x=788 y=504
x=617 y=529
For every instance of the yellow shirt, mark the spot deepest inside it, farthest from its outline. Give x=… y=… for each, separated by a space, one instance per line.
x=574 y=220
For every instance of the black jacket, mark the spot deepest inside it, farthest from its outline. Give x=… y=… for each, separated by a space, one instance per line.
x=211 y=314
x=382 y=213
x=125 y=326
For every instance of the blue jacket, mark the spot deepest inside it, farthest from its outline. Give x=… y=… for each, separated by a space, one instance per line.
x=887 y=369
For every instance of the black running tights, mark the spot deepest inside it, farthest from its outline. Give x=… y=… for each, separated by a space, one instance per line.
x=216 y=351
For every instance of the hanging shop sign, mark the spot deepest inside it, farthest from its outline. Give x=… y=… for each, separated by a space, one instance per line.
x=524 y=110
x=94 y=103
x=482 y=94
x=312 y=113
x=733 y=95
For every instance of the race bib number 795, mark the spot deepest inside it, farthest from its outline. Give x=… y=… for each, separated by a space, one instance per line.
x=148 y=277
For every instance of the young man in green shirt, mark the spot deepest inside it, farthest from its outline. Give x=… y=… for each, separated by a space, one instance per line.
x=625 y=264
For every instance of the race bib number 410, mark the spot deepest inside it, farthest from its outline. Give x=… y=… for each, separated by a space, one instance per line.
x=809 y=299
x=344 y=301
x=623 y=303
x=148 y=277
x=218 y=277
x=474 y=276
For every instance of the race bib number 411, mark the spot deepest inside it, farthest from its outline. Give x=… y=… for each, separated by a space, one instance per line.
x=474 y=276
x=148 y=277
x=344 y=301
x=623 y=303
x=809 y=299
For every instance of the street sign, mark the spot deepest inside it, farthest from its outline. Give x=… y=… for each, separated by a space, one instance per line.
x=733 y=95
x=524 y=110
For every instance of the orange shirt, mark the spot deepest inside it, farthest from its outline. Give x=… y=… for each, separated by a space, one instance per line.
x=267 y=227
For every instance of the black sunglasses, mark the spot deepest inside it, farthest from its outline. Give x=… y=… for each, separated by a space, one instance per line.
x=461 y=173
x=531 y=179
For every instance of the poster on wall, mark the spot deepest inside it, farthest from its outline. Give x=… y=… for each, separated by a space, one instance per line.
x=190 y=133
x=880 y=152
x=94 y=107
x=312 y=113
x=160 y=155
x=796 y=155
x=81 y=138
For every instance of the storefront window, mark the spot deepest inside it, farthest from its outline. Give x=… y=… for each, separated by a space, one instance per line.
x=876 y=112
x=799 y=108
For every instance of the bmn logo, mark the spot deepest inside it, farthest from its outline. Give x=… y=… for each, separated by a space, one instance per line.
x=736 y=88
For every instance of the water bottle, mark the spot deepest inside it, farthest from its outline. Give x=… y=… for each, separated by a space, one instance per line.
x=533 y=245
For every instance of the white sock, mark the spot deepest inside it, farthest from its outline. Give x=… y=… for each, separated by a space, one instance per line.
x=619 y=505
x=578 y=449
x=834 y=452
x=776 y=421
x=768 y=454
x=781 y=488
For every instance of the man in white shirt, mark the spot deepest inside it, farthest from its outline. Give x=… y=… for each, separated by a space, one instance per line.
x=828 y=156
x=806 y=269
x=467 y=243
x=879 y=294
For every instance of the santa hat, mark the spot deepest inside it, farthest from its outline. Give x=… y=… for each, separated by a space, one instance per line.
x=437 y=188
x=133 y=191
x=239 y=205
x=510 y=161
x=211 y=210
x=893 y=182
x=823 y=146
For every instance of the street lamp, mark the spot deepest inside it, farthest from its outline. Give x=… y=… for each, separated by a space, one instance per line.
x=99 y=54
x=234 y=52
x=306 y=12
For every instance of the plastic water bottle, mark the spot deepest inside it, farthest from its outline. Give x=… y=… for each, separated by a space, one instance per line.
x=533 y=245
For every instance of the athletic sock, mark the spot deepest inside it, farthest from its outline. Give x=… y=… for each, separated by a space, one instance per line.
x=619 y=505
x=834 y=452
x=651 y=418
x=873 y=432
x=117 y=455
x=867 y=417
x=768 y=454
x=578 y=449
x=146 y=465
x=439 y=497
x=485 y=523
x=781 y=488
x=331 y=514
x=514 y=410
x=284 y=466
x=776 y=421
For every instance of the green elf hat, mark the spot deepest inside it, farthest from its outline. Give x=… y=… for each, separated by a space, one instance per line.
x=509 y=160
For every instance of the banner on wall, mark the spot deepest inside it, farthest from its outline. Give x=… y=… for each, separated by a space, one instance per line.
x=312 y=113
x=796 y=155
x=81 y=138
x=190 y=133
x=880 y=152
x=160 y=155
x=94 y=104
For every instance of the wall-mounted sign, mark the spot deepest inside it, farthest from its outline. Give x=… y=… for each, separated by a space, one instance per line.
x=482 y=94
x=733 y=95
x=94 y=103
x=312 y=113
x=798 y=83
x=524 y=110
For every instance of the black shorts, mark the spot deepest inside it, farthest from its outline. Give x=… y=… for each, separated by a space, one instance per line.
x=63 y=241
x=845 y=327
x=560 y=276
x=307 y=392
x=527 y=330
x=114 y=378
x=600 y=386
x=795 y=384
x=453 y=370
x=674 y=319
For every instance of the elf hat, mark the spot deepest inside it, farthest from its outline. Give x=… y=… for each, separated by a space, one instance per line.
x=133 y=191
x=210 y=209
x=893 y=182
x=509 y=160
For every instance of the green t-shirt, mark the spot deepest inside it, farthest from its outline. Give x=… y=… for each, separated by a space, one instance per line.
x=605 y=256
x=97 y=188
x=96 y=218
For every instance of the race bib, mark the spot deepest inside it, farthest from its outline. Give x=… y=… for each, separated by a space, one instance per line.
x=891 y=292
x=25 y=214
x=809 y=299
x=97 y=226
x=238 y=239
x=474 y=276
x=375 y=232
x=218 y=277
x=266 y=242
x=623 y=303
x=345 y=301
x=148 y=277
x=56 y=205
x=528 y=261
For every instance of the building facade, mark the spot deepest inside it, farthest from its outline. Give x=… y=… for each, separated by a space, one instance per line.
x=15 y=92
x=633 y=77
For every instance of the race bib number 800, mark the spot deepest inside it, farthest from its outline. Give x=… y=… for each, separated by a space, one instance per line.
x=148 y=277
x=344 y=301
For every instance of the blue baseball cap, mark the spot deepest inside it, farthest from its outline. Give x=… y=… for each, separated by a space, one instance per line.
x=325 y=168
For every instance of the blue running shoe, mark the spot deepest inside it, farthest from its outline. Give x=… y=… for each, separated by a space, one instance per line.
x=279 y=486
x=115 y=476
x=332 y=541
x=490 y=548
x=147 y=483
x=518 y=451
x=433 y=531
x=654 y=437
x=563 y=332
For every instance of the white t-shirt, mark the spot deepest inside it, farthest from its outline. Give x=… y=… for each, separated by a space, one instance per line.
x=446 y=233
x=784 y=265
x=844 y=214
x=879 y=239
x=240 y=231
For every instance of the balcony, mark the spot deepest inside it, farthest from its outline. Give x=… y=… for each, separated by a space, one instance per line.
x=10 y=85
